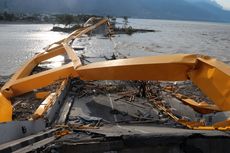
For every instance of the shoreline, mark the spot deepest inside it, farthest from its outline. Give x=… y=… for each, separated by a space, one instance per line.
x=117 y=30
x=192 y=21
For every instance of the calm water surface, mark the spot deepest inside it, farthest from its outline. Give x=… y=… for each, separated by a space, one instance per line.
x=19 y=42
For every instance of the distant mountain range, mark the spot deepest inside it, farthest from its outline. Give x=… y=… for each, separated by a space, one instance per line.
x=200 y=10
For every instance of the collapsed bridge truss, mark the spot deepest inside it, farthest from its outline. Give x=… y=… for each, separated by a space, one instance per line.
x=209 y=74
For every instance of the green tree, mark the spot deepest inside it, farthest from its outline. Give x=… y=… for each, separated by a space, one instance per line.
x=8 y=16
x=1 y=17
x=68 y=19
x=125 y=22
x=65 y=19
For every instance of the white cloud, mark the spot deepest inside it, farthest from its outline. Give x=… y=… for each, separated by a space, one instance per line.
x=224 y=3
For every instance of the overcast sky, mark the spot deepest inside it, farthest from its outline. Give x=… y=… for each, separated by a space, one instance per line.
x=224 y=3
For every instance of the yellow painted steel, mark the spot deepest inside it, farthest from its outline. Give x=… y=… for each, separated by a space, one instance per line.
x=213 y=78
x=39 y=113
x=201 y=107
x=42 y=95
x=27 y=68
x=6 y=109
x=165 y=68
x=73 y=56
x=39 y=80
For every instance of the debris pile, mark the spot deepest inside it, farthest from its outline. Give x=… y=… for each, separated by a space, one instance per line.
x=188 y=89
x=25 y=105
x=152 y=100
x=88 y=88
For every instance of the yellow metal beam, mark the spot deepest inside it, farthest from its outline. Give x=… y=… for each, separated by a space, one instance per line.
x=165 y=68
x=39 y=80
x=201 y=107
x=27 y=68
x=58 y=50
x=42 y=94
x=6 y=109
x=46 y=104
x=72 y=55
x=88 y=29
x=213 y=78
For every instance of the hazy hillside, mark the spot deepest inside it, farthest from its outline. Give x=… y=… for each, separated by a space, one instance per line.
x=213 y=8
x=205 y=10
